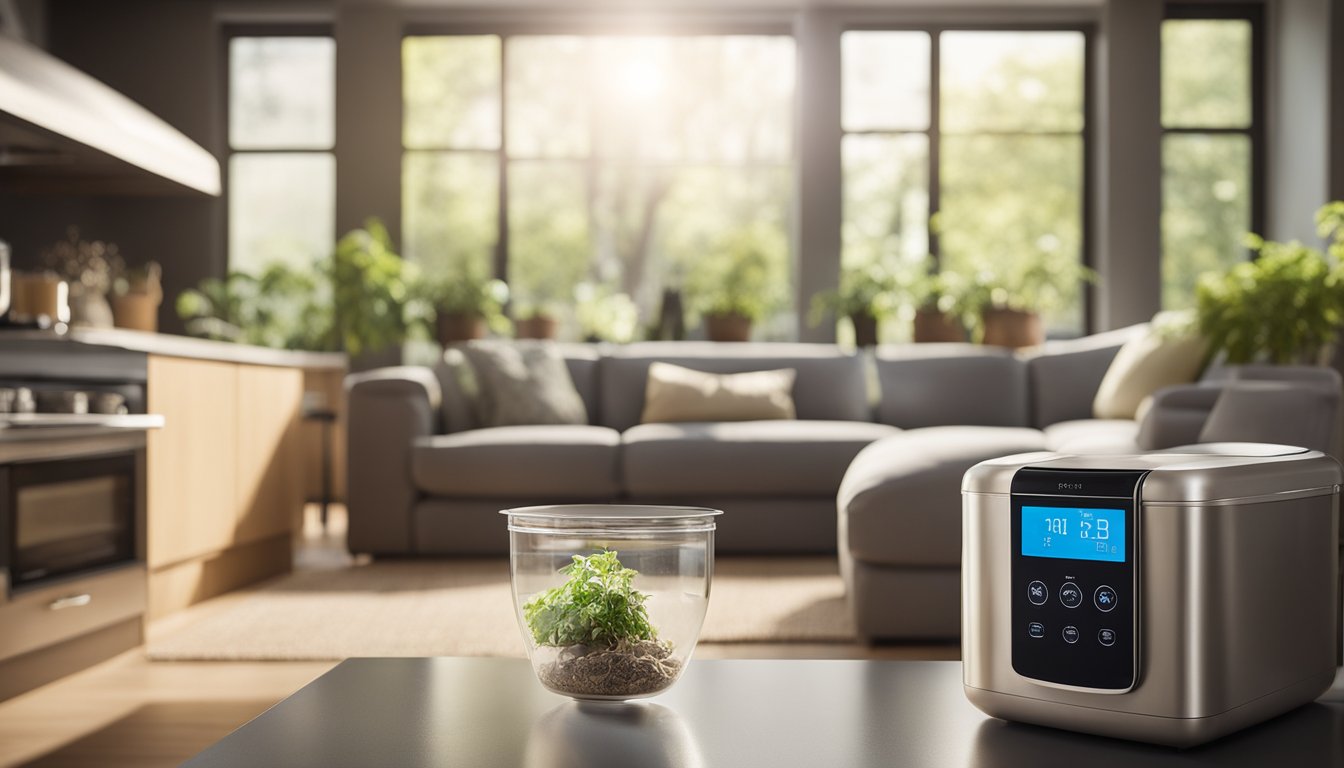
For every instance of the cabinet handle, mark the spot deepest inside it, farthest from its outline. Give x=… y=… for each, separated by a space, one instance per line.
x=72 y=601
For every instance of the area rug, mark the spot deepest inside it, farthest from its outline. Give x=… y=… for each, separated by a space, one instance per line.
x=464 y=608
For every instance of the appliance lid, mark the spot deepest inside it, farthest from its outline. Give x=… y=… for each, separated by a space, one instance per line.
x=58 y=124
x=1212 y=472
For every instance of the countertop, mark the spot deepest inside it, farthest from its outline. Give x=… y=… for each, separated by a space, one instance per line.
x=181 y=346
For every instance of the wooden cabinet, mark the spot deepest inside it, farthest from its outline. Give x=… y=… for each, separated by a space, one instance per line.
x=225 y=477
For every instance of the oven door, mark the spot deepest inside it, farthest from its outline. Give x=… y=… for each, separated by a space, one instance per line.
x=69 y=515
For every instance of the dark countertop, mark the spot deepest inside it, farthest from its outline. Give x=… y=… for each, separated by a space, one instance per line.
x=176 y=346
x=492 y=712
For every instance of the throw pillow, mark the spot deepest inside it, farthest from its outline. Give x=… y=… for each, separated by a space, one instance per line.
x=523 y=383
x=457 y=385
x=1164 y=356
x=673 y=393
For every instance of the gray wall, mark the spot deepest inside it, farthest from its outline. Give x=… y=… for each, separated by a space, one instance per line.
x=167 y=55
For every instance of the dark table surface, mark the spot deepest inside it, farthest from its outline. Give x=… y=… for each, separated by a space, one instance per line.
x=492 y=712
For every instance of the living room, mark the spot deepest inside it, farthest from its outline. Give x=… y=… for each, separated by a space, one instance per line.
x=401 y=382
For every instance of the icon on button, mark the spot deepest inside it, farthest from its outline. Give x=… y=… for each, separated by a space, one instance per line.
x=1105 y=599
x=1070 y=595
x=1070 y=634
x=1106 y=637
x=1036 y=629
x=1037 y=593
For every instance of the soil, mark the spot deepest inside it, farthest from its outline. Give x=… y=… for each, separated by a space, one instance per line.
x=627 y=669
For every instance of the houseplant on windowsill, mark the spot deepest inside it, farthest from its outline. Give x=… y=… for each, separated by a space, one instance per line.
x=535 y=321
x=1285 y=307
x=939 y=308
x=467 y=304
x=605 y=314
x=865 y=296
x=738 y=286
x=1011 y=294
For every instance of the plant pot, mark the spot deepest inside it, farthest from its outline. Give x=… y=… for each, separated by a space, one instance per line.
x=453 y=327
x=536 y=327
x=865 y=329
x=136 y=311
x=728 y=327
x=1012 y=328
x=933 y=326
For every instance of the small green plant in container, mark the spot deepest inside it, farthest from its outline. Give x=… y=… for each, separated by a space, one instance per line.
x=598 y=622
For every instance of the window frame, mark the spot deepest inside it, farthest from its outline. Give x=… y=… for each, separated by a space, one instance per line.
x=1254 y=14
x=935 y=133
x=227 y=33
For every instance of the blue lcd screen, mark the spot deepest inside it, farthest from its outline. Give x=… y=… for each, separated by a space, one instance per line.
x=1074 y=533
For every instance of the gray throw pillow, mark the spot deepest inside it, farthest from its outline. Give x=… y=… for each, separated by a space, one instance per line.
x=457 y=383
x=522 y=383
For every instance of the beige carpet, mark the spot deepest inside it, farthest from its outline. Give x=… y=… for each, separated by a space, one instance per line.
x=464 y=608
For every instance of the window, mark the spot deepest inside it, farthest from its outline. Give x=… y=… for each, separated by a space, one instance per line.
x=978 y=131
x=1211 y=123
x=281 y=171
x=598 y=164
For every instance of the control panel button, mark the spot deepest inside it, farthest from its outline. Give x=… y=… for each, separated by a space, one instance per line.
x=1070 y=595
x=1070 y=634
x=1037 y=592
x=1104 y=598
x=1036 y=629
x=1106 y=637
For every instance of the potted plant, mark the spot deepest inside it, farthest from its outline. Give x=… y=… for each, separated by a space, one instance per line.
x=939 y=307
x=1284 y=307
x=136 y=295
x=468 y=304
x=865 y=296
x=606 y=315
x=1011 y=295
x=736 y=289
x=535 y=321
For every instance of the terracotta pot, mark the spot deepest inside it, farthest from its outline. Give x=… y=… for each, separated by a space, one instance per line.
x=1012 y=328
x=453 y=327
x=865 y=329
x=136 y=311
x=729 y=327
x=932 y=326
x=536 y=327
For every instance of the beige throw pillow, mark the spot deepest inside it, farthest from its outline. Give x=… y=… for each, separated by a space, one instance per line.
x=674 y=393
x=1158 y=358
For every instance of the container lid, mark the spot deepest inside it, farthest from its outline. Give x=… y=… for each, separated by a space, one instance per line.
x=1188 y=474
x=622 y=518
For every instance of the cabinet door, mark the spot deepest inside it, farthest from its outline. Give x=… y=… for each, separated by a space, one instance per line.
x=192 y=465
x=269 y=451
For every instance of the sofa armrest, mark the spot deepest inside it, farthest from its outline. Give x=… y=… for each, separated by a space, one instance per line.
x=1176 y=415
x=388 y=409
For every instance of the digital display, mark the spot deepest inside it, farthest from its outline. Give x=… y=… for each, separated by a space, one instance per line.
x=1074 y=533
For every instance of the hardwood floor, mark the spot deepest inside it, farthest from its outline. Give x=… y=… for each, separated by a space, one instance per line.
x=132 y=712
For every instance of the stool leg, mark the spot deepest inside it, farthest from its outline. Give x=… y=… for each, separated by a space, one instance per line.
x=326 y=472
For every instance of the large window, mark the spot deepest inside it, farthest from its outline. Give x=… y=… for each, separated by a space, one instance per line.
x=1210 y=145
x=281 y=129
x=574 y=165
x=966 y=148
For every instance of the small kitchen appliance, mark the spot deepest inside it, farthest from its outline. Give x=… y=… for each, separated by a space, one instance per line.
x=1171 y=597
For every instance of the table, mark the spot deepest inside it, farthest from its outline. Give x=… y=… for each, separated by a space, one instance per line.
x=492 y=712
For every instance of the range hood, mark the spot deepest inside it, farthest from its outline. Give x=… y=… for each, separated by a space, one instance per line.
x=63 y=131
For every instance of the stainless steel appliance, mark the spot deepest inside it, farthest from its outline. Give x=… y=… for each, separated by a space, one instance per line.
x=1171 y=597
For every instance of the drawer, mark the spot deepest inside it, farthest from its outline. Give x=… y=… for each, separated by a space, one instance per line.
x=50 y=614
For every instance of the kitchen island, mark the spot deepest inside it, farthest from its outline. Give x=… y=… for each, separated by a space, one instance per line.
x=228 y=474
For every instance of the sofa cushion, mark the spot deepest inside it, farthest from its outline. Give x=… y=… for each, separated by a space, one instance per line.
x=559 y=461
x=457 y=382
x=900 y=502
x=926 y=385
x=1094 y=436
x=674 y=393
x=742 y=458
x=831 y=383
x=1063 y=376
x=1161 y=357
x=523 y=383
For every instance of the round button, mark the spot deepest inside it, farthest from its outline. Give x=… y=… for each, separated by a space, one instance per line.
x=1070 y=595
x=1105 y=599
x=1106 y=637
x=1036 y=629
x=1070 y=634
x=1037 y=592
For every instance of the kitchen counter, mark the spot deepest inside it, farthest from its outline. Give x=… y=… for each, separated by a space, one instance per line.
x=170 y=345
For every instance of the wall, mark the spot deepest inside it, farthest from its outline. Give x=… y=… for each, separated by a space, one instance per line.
x=1299 y=152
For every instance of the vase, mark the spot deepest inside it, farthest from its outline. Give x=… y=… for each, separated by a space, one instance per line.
x=89 y=307
x=536 y=327
x=1012 y=328
x=933 y=326
x=454 y=327
x=728 y=327
x=865 y=329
